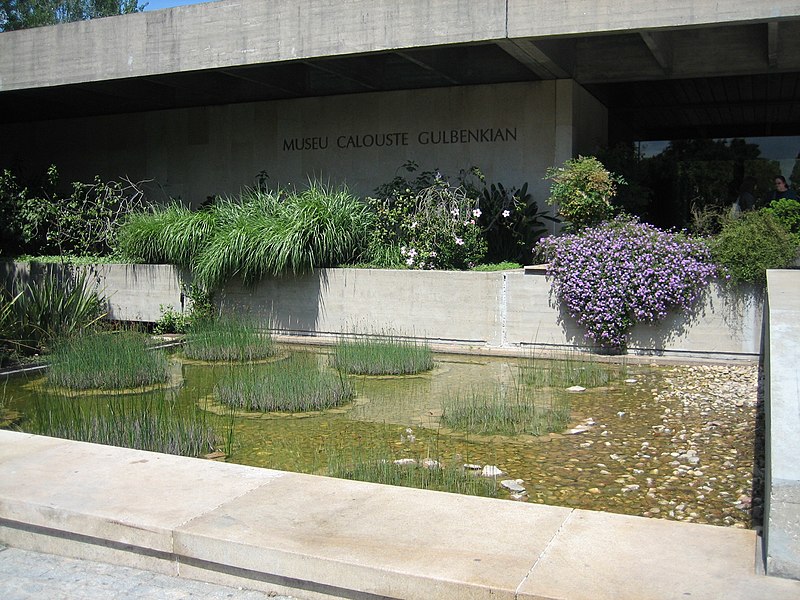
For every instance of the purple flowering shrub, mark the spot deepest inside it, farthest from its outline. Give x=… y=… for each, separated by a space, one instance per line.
x=623 y=272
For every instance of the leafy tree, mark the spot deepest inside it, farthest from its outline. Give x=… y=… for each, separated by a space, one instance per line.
x=23 y=14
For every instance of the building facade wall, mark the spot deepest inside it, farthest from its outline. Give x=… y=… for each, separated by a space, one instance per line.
x=512 y=132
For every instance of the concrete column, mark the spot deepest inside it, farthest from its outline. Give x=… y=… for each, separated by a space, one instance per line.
x=782 y=403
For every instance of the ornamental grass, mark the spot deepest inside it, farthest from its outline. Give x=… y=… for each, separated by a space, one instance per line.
x=153 y=422
x=228 y=338
x=107 y=361
x=574 y=369
x=387 y=355
x=503 y=411
x=297 y=384
x=379 y=467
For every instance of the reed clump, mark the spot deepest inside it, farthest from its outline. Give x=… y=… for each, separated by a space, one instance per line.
x=574 y=369
x=388 y=355
x=228 y=338
x=503 y=411
x=297 y=384
x=154 y=422
x=380 y=467
x=107 y=361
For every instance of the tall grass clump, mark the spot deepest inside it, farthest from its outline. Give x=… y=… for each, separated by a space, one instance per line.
x=574 y=369
x=285 y=232
x=382 y=356
x=108 y=362
x=503 y=411
x=228 y=338
x=155 y=423
x=297 y=384
x=169 y=234
x=38 y=312
x=379 y=467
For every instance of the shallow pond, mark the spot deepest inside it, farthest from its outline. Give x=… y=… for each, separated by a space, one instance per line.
x=670 y=442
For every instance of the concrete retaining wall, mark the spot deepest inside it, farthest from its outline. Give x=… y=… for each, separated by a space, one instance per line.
x=782 y=403
x=496 y=310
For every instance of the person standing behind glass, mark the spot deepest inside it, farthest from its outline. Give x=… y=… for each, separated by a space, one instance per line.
x=782 y=190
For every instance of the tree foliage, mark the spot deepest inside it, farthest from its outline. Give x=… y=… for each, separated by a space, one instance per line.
x=24 y=14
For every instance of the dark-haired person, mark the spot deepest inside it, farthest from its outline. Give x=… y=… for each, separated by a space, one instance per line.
x=782 y=190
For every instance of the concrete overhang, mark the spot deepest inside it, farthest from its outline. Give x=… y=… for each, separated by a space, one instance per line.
x=689 y=67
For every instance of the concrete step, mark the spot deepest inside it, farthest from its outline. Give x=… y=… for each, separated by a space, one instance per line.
x=317 y=537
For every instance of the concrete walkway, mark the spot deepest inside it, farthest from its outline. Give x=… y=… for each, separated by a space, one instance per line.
x=316 y=537
x=27 y=575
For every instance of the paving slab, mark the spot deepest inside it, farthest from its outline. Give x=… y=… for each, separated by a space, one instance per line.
x=129 y=496
x=382 y=540
x=605 y=556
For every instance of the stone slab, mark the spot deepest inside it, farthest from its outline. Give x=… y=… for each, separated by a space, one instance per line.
x=129 y=496
x=599 y=556
x=383 y=540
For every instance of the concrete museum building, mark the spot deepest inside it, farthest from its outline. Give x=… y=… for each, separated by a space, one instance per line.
x=202 y=98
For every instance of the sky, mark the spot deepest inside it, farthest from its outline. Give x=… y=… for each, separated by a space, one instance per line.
x=159 y=4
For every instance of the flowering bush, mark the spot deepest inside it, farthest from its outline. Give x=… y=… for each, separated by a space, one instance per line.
x=624 y=272
x=426 y=223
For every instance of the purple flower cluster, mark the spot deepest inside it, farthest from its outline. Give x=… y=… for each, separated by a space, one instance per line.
x=624 y=272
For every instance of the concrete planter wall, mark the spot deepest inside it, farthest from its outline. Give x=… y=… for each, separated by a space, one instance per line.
x=510 y=309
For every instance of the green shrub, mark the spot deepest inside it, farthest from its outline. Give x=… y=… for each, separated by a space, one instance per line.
x=40 y=218
x=382 y=356
x=751 y=244
x=787 y=212
x=297 y=384
x=583 y=190
x=107 y=361
x=171 y=321
x=228 y=338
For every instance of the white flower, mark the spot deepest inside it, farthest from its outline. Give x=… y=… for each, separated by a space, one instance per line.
x=432 y=253
x=459 y=241
x=454 y=212
x=414 y=225
x=476 y=213
x=403 y=250
x=410 y=261
x=506 y=213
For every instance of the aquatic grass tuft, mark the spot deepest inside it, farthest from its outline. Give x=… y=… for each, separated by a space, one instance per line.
x=379 y=467
x=503 y=411
x=228 y=338
x=108 y=362
x=388 y=355
x=151 y=422
x=297 y=384
x=574 y=369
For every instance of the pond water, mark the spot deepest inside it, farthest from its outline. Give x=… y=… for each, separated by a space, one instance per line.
x=671 y=442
